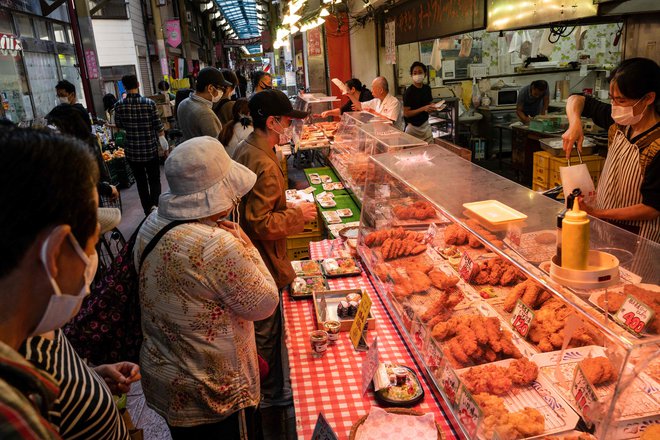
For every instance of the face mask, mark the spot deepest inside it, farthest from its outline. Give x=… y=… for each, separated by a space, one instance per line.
x=266 y=86
x=61 y=308
x=625 y=115
x=63 y=99
x=286 y=135
x=418 y=79
x=216 y=98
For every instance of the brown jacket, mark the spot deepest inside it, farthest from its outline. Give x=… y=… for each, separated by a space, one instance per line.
x=265 y=217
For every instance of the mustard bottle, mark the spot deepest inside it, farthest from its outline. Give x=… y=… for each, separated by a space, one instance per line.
x=575 y=239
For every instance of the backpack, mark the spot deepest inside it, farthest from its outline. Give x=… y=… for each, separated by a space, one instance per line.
x=107 y=328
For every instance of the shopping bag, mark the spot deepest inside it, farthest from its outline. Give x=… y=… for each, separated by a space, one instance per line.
x=577 y=176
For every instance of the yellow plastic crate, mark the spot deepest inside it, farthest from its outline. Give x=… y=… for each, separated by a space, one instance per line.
x=298 y=253
x=300 y=240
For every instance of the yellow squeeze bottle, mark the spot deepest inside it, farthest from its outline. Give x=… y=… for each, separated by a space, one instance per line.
x=575 y=239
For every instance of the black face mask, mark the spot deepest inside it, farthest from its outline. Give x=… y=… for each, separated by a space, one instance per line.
x=265 y=86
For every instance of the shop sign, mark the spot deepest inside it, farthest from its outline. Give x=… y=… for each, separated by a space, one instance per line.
x=390 y=48
x=10 y=45
x=173 y=30
x=314 y=42
x=92 y=64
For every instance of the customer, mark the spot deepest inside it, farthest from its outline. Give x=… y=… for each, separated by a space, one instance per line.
x=238 y=129
x=138 y=117
x=164 y=89
x=533 y=100
x=223 y=109
x=85 y=407
x=628 y=192
x=200 y=289
x=578 y=106
x=195 y=114
x=66 y=119
x=48 y=215
x=261 y=81
x=109 y=101
x=357 y=92
x=268 y=221
x=383 y=104
x=241 y=92
x=66 y=94
x=417 y=104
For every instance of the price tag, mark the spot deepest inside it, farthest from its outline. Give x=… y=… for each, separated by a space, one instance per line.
x=634 y=315
x=322 y=430
x=369 y=366
x=418 y=332
x=433 y=359
x=360 y=320
x=522 y=318
x=469 y=413
x=514 y=234
x=465 y=267
x=583 y=393
x=430 y=233
x=449 y=380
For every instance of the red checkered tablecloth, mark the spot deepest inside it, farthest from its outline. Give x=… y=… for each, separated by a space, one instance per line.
x=331 y=384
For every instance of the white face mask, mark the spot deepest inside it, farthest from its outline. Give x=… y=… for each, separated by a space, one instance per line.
x=216 y=98
x=287 y=133
x=625 y=115
x=418 y=79
x=62 y=307
x=63 y=99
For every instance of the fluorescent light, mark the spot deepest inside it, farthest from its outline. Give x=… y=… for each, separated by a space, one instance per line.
x=290 y=19
x=294 y=29
x=320 y=21
x=324 y=12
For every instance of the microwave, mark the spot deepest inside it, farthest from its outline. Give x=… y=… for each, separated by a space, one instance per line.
x=503 y=96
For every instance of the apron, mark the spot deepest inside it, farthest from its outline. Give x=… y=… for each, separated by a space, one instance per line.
x=620 y=182
x=422 y=132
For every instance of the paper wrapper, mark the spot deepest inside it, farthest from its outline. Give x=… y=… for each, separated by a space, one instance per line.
x=380 y=424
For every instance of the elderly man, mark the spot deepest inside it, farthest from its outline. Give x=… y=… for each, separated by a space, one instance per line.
x=383 y=104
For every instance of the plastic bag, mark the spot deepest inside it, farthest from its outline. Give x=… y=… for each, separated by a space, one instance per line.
x=577 y=176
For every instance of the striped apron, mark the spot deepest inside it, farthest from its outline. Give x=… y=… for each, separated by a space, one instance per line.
x=620 y=182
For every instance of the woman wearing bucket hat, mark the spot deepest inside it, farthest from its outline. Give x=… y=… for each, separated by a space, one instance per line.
x=201 y=288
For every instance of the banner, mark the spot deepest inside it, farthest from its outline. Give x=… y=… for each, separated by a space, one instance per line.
x=390 y=48
x=314 y=42
x=241 y=42
x=173 y=31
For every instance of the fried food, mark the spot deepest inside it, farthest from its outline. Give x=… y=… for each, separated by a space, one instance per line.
x=474 y=340
x=441 y=280
x=377 y=238
x=394 y=248
x=420 y=210
x=441 y=306
x=598 y=370
x=420 y=263
x=528 y=292
x=547 y=330
x=509 y=425
x=652 y=432
x=523 y=371
x=420 y=282
x=490 y=379
x=496 y=271
x=650 y=298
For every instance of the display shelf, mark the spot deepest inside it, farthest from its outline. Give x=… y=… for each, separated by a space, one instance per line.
x=444 y=316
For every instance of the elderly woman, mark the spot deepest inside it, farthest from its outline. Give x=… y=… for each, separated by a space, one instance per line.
x=201 y=288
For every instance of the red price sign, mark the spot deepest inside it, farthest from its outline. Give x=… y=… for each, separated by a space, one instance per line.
x=430 y=233
x=583 y=393
x=522 y=318
x=634 y=314
x=465 y=267
x=469 y=413
x=449 y=380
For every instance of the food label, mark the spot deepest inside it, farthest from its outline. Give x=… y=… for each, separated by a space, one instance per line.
x=514 y=234
x=360 y=319
x=322 y=430
x=469 y=413
x=430 y=233
x=522 y=318
x=465 y=267
x=583 y=393
x=450 y=382
x=323 y=309
x=634 y=315
x=434 y=359
x=369 y=366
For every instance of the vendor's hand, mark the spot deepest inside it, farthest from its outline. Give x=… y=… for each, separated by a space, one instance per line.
x=325 y=114
x=308 y=211
x=357 y=106
x=234 y=230
x=119 y=376
x=571 y=136
x=430 y=108
x=115 y=192
x=588 y=208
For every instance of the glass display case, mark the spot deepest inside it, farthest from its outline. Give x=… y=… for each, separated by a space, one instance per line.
x=461 y=258
x=313 y=132
x=351 y=150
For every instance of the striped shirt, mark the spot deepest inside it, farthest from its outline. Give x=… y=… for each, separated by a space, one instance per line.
x=138 y=116
x=24 y=391
x=85 y=408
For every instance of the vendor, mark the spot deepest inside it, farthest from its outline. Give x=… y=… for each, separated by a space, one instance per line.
x=383 y=104
x=356 y=92
x=628 y=192
x=417 y=104
x=533 y=100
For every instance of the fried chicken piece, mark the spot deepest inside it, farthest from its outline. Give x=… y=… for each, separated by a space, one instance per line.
x=435 y=308
x=474 y=242
x=508 y=349
x=455 y=234
x=492 y=326
x=441 y=280
x=514 y=295
x=487 y=379
x=509 y=276
x=444 y=330
x=522 y=371
x=531 y=295
x=420 y=282
x=458 y=353
x=598 y=370
x=522 y=424
x=496 y=272
x=415 y=263
x=418 y=249
x=385 y=249
x=482 y=277
x=440 y=317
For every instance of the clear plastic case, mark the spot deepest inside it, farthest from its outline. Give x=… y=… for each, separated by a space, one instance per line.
x=463 y=290
x=314 y=131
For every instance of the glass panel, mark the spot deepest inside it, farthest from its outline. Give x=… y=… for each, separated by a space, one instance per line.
x=42 y=27
x=60 y=33
x=70 y=33
x=15 y=102
x=71 y=73
x=5 y=23
x=25 y=28
x=42 y=68
x=108 y=8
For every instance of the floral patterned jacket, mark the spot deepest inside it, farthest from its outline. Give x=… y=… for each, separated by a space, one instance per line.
x=200 y=290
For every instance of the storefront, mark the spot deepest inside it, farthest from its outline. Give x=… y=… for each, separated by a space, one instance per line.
x=35 y=53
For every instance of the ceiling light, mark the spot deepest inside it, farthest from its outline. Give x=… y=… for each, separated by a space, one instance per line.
x=290 y=19
x=218 y=23
x=320 y=21
x=294 y=29
x=324 y=12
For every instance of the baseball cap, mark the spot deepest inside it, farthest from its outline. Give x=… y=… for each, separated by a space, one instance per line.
x=211 y=76
x=273 y=103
